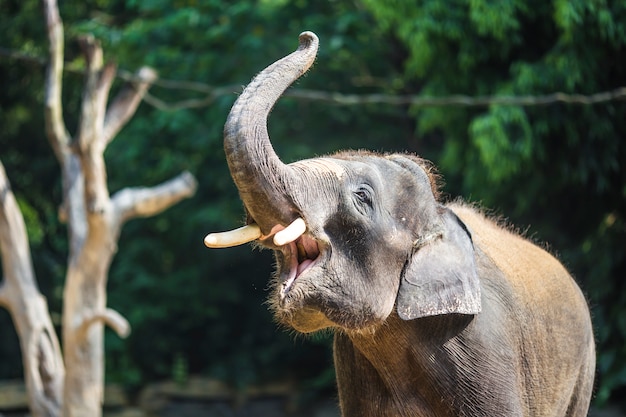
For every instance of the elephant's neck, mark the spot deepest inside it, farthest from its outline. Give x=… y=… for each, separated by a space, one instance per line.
x=411 y=360
x=390 y=353
x=397 y=341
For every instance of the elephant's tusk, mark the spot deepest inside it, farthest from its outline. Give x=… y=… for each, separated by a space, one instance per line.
x=290 y=233
x=235 y=237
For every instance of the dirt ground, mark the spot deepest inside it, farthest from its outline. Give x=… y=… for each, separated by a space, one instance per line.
x=269 y=408
x=206 y=398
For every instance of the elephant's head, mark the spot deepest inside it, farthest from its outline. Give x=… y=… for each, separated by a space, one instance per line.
x=354 y=233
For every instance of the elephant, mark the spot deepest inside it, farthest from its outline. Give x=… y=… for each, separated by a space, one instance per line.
x=437 y=309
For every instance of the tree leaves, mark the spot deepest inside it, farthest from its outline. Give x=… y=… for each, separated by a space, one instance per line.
x=555 y=167
x=503 y=138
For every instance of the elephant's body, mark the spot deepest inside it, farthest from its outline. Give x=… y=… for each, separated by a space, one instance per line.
x=437 y=310
x=530 y=352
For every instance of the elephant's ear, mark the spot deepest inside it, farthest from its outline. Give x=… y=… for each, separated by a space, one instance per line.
x=441 y=277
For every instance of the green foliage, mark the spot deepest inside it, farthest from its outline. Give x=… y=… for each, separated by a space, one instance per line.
x=503 y=139
x=558 y=168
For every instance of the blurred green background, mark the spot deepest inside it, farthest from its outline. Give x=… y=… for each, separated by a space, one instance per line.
x=557 y=171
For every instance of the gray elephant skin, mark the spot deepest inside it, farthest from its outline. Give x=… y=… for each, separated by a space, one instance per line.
x=437 y=310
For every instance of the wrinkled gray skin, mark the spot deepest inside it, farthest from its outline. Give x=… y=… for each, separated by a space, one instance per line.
x=437 y=310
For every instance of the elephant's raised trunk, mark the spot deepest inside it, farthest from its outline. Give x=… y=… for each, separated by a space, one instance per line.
x=262 y=178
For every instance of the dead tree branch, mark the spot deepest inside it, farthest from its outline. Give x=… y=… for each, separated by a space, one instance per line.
x=110 y=317
x=144 y=202
x=19 y=294
x=55 y=125
x=126 y=102
x=90 y=147
x=59 y=138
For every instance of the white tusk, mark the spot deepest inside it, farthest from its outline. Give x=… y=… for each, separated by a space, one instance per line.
x=235 y=237
x=290 y=233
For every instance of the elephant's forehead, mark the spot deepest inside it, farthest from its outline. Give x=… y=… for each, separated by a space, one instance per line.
x=321 y=166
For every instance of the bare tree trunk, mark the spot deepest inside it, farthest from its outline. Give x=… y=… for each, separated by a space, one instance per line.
x=95 y=218
x=43 y=365
x=94 y=221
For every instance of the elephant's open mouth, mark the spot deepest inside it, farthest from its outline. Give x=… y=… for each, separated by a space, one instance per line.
x=300 y=251
x=300 y=255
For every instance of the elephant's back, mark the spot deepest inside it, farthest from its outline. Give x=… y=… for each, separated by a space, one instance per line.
x=554 y=325
x=536 y=275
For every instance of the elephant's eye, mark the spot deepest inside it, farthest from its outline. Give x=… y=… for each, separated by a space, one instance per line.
x=364 y=196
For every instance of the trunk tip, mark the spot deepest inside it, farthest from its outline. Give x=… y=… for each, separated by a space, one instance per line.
x=308 y=40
